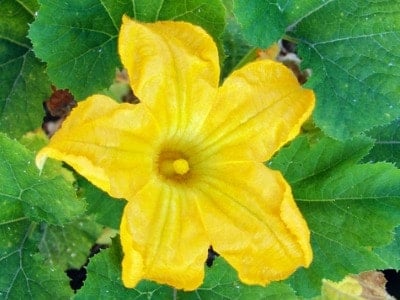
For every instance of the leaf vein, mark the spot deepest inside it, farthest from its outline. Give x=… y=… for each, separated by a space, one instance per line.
x=109 y=14
x=311 y=12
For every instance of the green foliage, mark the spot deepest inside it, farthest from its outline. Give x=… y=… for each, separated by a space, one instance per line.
x=208 y=14
x=92 y=28
x=104 y=280
x=24 y=84
x=221 y=282
x=25 y=274
x=42 y=198
x=235 y=47
x=40 y=232
x=355 y=84
x=352 y=48
x=351 y=208
x=90 y=64
x=387 y=144
x=103 y=208
x=343 y=174
x=262 y=21
x=69 y=245
x=391 y=253
x=28 y=270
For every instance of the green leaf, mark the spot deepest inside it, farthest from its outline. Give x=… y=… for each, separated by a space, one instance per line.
x=102 y=207
x=24 y=84
x=14 y=26
x=262 y=22
x=352 y=48
x=68 y=246
x=43 y=198
x=351 y=208
x=78 y=40
x=208 y=14
x=104 y=280
x=24 y=273
x=355 y=64
x=311 y=155
x=33 y=255
x=387 y=144
x=265 y=22
x=36 y=140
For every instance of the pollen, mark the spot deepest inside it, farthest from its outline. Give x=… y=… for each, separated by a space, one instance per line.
x=181 y=166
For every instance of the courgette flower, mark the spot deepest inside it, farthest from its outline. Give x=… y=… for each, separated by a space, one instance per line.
x=189 y=159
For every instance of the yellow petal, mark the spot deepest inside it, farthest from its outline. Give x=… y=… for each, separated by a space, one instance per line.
x=163 y=238
x=259 y=108
x=111 y=144
x=253 y=222
x=173 y=68
x=132 y=263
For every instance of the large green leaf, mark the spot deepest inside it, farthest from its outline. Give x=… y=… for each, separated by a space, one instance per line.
x=24 y=273
x=350 y=208
x=355 y=62
x=78 y=39
x=24 y=84
x=43 y=198
x=34 y=255
x=352 y=47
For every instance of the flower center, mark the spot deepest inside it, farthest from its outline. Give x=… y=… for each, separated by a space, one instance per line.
x=181 y=166
x=173 y=165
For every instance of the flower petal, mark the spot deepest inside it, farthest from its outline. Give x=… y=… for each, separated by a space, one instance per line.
x=173 y=68
x=111 y=144
x=259 y=108
x=253 y=222
x=163 y=238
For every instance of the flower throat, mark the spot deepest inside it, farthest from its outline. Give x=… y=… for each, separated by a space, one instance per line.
x=173 y=165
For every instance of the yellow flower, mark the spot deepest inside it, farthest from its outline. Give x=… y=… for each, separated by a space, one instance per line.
x=189 y=159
